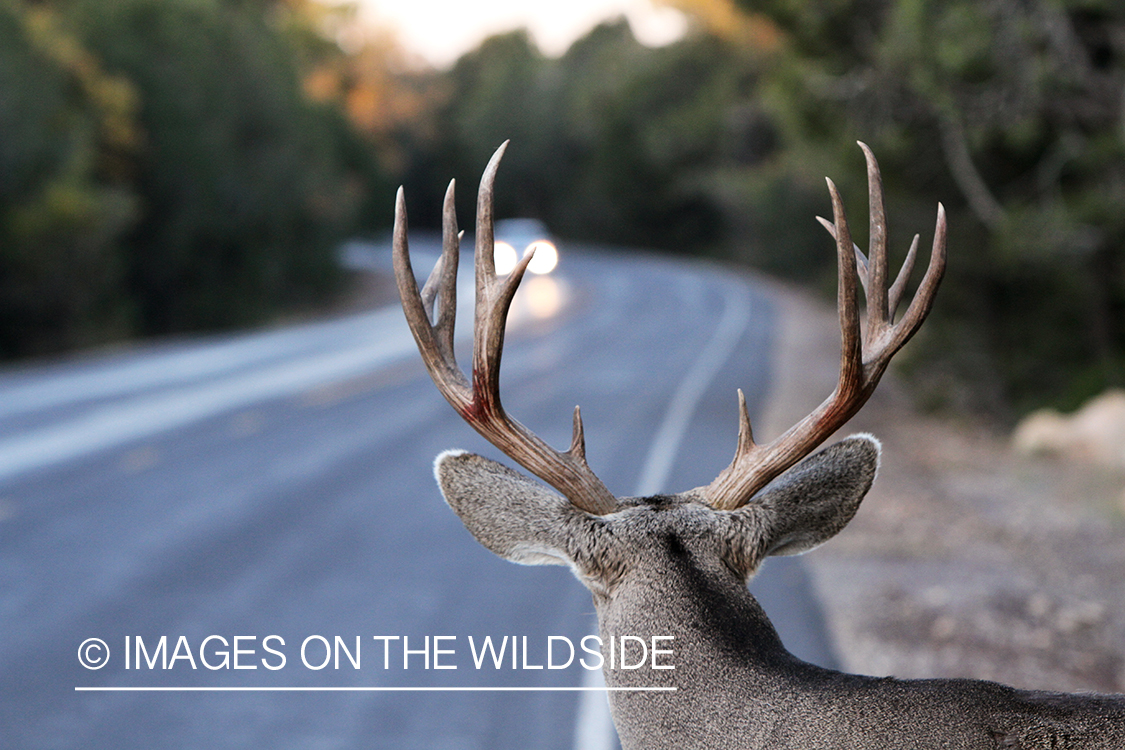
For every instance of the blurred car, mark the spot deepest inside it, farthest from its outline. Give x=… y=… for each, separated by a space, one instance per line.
x=513 y=237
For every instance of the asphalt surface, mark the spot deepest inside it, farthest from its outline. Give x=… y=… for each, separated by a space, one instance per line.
x=279 y=483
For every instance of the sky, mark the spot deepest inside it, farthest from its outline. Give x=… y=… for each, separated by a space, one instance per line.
x=440 y=31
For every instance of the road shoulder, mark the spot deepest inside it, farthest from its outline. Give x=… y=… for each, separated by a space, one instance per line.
x=965 y=560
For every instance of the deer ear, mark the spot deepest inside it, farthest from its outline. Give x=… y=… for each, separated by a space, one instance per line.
x=813 y=501
x=510 y=514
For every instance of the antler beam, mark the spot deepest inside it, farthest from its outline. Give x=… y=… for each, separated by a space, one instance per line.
x=478 y=402
x=864 y=354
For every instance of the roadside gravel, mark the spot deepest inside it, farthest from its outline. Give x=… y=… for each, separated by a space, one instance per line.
x=965 y=560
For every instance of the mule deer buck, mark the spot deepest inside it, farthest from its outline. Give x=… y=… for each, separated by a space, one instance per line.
x=678 y=564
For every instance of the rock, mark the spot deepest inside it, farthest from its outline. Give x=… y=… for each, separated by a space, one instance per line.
x=1093 y=434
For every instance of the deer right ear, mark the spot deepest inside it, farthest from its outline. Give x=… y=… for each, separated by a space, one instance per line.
x=509 y=513
x=813 y=501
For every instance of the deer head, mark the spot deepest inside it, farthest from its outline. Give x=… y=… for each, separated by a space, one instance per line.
x=522 y=521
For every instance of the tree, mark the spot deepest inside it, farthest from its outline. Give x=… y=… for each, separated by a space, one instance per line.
x=613 y=142
x=239 y=175
x=1010 y=113
x=643 y=129
x=67 y=129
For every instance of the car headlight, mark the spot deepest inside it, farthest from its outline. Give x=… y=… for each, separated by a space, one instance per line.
x=504 y=256
x=546 y=257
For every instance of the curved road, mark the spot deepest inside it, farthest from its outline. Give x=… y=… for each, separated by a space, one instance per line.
x=269 y=496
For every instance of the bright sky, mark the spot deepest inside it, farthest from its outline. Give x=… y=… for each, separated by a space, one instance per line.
x=442 y=30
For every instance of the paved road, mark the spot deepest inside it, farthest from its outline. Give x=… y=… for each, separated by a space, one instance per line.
x=279 y=484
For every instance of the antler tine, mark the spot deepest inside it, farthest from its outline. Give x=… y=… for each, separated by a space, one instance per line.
x=864 y=355
x=894 y=297
x=438 y=357
x=923 y=300
x=493 y=295
x=847 y=298
x=877 y=255
x=450 y=256
x=860 y=258
x=478 y=403
x=443 y=279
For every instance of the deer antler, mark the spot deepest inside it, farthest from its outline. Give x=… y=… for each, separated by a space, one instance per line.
x=478 y=403
x=863 y=357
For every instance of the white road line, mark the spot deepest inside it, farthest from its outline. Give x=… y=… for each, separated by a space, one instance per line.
x=289 y=371
x=682 y=406
x=593 y=728
x=155 y=370
x=144 y=416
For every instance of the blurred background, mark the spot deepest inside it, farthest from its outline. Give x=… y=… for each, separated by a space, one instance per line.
x=214 y=421
x=170 y=166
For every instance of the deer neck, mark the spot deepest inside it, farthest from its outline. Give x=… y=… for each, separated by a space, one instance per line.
x=712 y=619
x=731 y=674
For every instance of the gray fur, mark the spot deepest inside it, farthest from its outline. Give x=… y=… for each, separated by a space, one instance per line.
x=672 y=565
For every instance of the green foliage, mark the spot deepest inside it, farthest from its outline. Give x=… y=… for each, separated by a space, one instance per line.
x=1010 y=114
x=642 y=141
x=238 y=173
x=64 y=124
x=162 y=170
x=498 y=92
x=614 y=141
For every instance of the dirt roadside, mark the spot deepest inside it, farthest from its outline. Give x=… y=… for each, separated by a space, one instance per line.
x=965 y=560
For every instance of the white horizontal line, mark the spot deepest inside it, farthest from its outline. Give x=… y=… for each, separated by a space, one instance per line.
x=460 y=689
x=114 y=424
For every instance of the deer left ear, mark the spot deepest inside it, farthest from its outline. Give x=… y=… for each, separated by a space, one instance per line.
x=509 y=513
x=815 y=500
